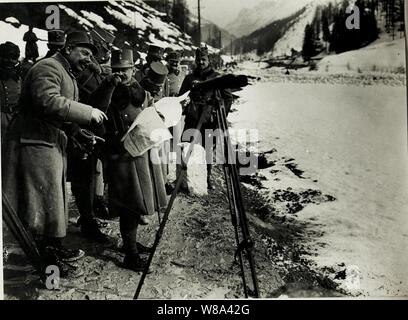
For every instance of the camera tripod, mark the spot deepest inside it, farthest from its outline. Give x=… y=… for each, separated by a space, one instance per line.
x=245 y=245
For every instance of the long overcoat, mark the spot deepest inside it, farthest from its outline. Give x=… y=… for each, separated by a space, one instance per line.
x=34 y=151
x=136 y=184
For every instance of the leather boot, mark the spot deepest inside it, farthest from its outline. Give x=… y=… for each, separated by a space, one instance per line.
x=133 y=262
x=91 y=231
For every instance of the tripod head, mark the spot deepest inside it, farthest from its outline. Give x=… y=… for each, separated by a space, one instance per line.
x=227 y=81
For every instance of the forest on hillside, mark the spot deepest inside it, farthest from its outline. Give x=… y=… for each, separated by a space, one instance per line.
x=329 y=32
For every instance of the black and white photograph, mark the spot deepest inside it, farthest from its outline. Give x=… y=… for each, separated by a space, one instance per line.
x=203 y=150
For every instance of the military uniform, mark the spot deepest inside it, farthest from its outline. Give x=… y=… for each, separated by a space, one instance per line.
x=34 y=153
x=10 y=83
x=31 y=49
x=199 y=100
x=10 y=90
x=175 y=76
x=56 y=41
x=136 y=185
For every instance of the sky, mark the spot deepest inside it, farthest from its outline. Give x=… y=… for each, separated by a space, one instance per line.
x=221 y=12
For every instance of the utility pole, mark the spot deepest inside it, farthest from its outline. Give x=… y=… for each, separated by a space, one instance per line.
x=199 y=24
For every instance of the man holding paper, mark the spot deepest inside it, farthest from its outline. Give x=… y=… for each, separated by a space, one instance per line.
x=136 y=184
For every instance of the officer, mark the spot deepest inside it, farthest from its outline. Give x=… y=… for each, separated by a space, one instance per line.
x=10 y=87
x=155 y=79
x=175 y=77
x=34 y=153
x=136 y=188
x=56 y=41
x=202 y=72
x=154 y=54
x=85 y=173
x=31 y=49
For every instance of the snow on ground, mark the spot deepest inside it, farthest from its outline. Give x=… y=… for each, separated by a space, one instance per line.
x=82 y=21
x=98 y=20
x=12 y=20
x=353 y=141
x=380 y=56
x=10 y=33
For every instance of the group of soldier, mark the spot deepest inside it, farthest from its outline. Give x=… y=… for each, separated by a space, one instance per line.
x=63 y=119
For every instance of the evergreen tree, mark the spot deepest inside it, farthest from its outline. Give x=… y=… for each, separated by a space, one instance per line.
x=308 y=49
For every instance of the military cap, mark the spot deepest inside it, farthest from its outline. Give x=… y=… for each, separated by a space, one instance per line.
x=157 y=73
x=56 y=37
x=81 y=38
x=9 y=50
x=122 y=59
x=202 y=52
x=155 y=51
x=173 y=56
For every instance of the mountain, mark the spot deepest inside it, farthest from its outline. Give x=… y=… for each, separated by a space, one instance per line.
x=214 y=35
x=263 y=40
x=293 y=37
x=250 y=20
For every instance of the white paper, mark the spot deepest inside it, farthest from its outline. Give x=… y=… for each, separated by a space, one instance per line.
x=147 y=131
x=171 y=109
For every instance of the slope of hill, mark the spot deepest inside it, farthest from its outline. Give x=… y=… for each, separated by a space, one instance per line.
x=250 y=20
x=293 y=37
x=133 y=22
x=383 y=55
x=263 y=40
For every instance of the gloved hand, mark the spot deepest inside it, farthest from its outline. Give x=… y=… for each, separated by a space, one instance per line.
x=114 y=79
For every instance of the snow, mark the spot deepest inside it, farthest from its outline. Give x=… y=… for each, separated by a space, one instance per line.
x=12 y=20
x=148 y=22
x=263 y=14
x=293 y=37
x=379 y=56
x=131 y=18
x=10 y=33
x=353 y=140
x=98 y=20
x=73 y=14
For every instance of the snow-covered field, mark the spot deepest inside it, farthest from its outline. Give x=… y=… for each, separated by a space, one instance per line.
x=353 y=141
x=380 y=56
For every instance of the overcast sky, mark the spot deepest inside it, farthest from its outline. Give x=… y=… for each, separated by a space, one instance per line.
x=221 y=12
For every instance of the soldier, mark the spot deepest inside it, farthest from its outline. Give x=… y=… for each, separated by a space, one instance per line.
x=175 y=77
x=202 y=72
x=31 y=49
x=10 y=86
x=56 y=41
x=85 y=175
x=155 y=83
x=34 y=153
x=136 y=188
x=154 y=54
x=155 y=79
